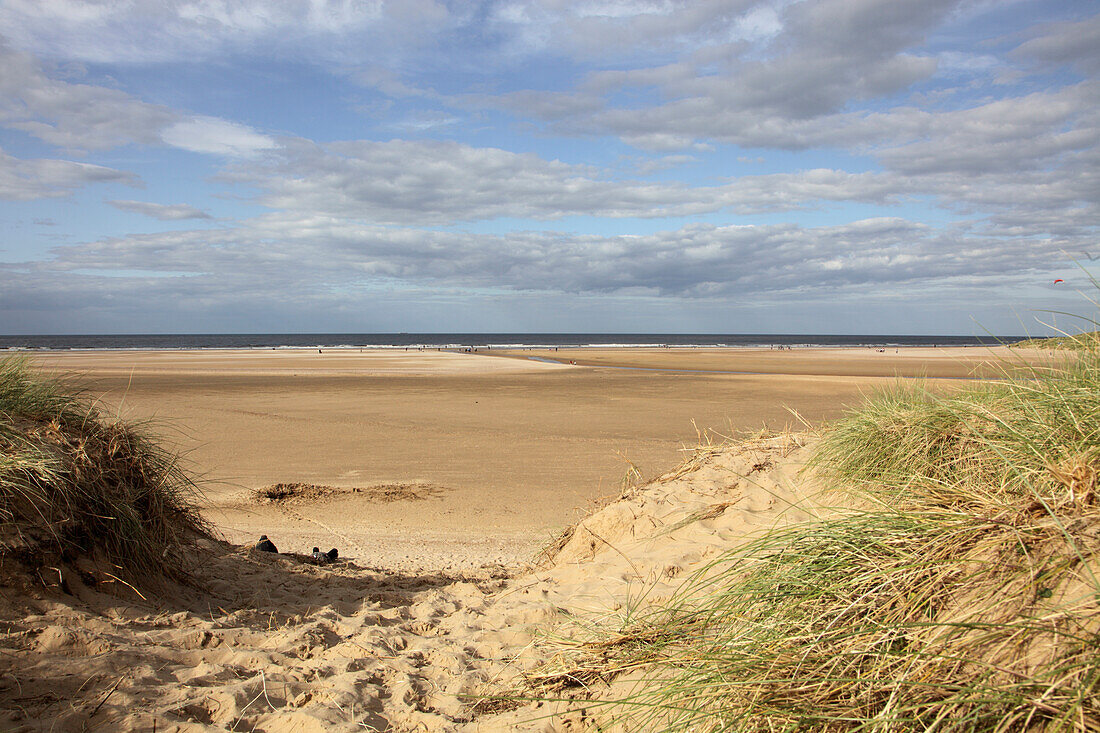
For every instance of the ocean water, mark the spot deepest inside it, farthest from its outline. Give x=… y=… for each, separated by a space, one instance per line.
x=479 y=340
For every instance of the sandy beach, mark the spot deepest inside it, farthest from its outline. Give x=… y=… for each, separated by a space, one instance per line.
x=449 y=460
x=439 y=476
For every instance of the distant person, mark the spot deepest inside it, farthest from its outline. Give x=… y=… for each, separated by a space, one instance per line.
x=266 y=545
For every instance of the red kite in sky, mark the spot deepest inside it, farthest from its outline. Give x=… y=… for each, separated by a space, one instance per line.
x=1058 y=281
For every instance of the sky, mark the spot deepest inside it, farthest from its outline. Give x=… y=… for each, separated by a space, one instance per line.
x=631 y=166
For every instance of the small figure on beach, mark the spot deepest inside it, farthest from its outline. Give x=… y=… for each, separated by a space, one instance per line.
x=266 y=545
x=323 y=558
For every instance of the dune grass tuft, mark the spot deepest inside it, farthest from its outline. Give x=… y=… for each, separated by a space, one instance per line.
x=75 y=484
x=961 y=594
x=1086 y=341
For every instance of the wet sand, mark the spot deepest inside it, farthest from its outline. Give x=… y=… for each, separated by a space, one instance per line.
x=440 y=459
x=930 y=362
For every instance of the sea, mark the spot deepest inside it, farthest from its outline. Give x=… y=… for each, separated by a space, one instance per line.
x=154 y=342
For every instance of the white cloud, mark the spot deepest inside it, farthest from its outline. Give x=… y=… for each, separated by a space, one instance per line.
x=791 y=87
x=1021 y=133
x=26 y=180
x=417 y=183
x=164 y=212
x=144 y=31
x=274 y=252
x=896 y=107
x=1075 y=43
x=365 y=31
x=217 y=137
x=759 y=23
x=429 y=182
x=86 y=117
x=602 y=30
x=69 y=115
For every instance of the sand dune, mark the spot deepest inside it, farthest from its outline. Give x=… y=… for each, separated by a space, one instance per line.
x=273 y=643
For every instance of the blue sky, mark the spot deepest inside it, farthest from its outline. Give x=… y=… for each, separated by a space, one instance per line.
x=832 y=166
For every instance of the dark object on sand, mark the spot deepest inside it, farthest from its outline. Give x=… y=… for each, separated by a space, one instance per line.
x=265 y=545
x=323 y=558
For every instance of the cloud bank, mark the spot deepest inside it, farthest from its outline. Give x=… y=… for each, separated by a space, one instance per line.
x=636 y=156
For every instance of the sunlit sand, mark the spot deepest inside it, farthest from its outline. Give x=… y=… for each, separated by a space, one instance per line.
x=494 y=454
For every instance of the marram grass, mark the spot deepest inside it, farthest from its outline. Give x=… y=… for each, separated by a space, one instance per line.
x=1078 y=342
x=962 y=594
x=74 y=484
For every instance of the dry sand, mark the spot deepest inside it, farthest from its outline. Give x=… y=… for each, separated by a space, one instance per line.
x=271 y=643
x=462 y=464
x=441 y=460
